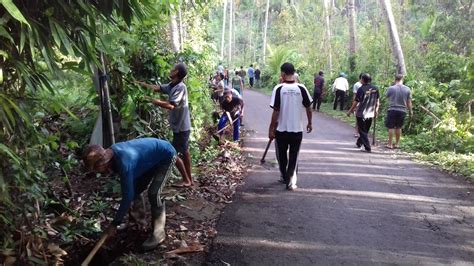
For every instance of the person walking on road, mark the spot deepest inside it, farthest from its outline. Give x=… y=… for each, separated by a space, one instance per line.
x=318 y=90
x=289 y=101
x=399 y=97
x=340 y=88
x=251 y=73
x=355 y=88
x=178 y=117
x=141 y=163
x=367 y=103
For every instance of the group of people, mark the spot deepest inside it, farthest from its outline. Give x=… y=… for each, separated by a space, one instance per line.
x=291 y=101
x=227 y=92
x=366 y=104
x=239 y=76
x=147 y=163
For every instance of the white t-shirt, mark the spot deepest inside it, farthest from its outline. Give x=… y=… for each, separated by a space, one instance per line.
x=291 y=99
x=340 y=84
x=356 y=87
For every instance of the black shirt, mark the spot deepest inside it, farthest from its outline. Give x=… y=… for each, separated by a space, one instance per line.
x=233 y=106
x=257 y=74
x=318 y=84
x=367 y=96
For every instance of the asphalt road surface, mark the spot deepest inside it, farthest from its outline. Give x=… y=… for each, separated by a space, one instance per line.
x=350 y=207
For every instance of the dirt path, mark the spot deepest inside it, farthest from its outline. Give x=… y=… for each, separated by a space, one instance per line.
x=350 y=207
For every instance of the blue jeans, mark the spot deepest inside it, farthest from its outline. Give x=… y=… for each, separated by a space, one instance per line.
x=223 y=121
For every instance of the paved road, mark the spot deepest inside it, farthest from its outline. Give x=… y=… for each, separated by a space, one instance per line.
x=351 y=207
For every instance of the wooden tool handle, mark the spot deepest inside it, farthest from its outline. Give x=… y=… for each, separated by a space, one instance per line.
x=266 y=150
x=94 y=250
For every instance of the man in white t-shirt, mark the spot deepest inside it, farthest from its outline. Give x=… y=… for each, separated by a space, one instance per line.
x=340 y=88
x=356 y=87
x=290 y=100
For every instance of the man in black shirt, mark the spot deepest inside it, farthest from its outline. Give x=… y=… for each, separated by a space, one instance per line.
x=257 y=76
x=234 y=106
x=367 y=100
x=318 y=90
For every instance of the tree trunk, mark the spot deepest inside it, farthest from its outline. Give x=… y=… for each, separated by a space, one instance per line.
x=174 y=34
x=234 y=26
x=394 y=39
x=224 y=12
x=327 y=3
x=181 y=30
x=108 y=136
x=265 y=31
x=251 y=33
x=231 y=16
x=352 y=34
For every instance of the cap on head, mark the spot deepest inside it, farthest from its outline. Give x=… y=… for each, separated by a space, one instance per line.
x=342 y=74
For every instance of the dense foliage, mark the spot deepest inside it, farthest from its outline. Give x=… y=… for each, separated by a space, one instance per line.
x=48 y=53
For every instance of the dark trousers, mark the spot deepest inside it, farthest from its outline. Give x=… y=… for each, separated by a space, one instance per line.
x=364 y=127
x=251 y=82
x=285 y=141
x=340 y=96
x=317 y=98
x=223 y=121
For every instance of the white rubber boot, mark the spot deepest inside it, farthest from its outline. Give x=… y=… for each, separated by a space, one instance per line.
x=158 y=235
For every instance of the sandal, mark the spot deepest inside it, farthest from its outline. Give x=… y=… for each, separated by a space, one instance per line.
x=389 y=147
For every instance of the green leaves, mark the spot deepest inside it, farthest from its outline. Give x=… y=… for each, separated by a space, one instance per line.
x=13 y=10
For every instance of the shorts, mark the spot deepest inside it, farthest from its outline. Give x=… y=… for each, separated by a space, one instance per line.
x=181 y=141
x=395 y=119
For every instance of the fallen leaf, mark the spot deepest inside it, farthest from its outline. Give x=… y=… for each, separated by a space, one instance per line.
x=55 y=250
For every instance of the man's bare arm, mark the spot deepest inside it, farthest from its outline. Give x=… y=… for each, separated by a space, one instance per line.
x=354 y=104
x=309 y=115
x=163 y=104
x=273 y=124
x=156 y=88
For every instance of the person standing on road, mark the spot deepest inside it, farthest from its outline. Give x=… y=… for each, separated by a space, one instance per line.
x=399 y=97
x=355 y=88
x=141 y=163
x=340 y=88
x=237 y=82
x=178 y=117
x=257 y=76
x=318 y=90
x=251 y=73
x=367 y=103
x=290 y=100
x=242 y=74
